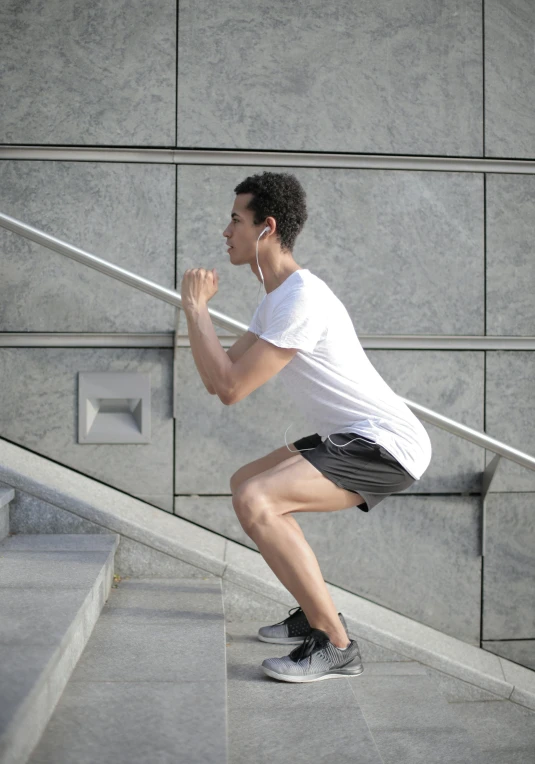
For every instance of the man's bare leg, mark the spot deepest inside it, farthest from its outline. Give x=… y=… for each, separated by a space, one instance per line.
x=282 y=544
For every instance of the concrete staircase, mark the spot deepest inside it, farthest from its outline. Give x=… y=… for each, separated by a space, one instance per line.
x=397 y=712
x=145 y=682
x=52 y=589
x=161 y=663
x=151 y=683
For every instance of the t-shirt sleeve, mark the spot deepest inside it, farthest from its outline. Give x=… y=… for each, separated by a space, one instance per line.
x=254 y=326
x=296 y=322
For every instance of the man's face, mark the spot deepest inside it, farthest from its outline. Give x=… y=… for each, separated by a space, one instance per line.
x=241 y=233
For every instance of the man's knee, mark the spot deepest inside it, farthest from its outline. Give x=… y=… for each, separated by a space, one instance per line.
x=260 y=465
x=240 y=476
x=236 y=480
x=241 y=506
x=251 y=508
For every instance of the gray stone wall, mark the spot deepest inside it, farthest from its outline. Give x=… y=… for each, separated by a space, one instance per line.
x=411 y=252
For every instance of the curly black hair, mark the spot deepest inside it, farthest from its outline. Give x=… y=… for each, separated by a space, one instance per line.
x=278 y=195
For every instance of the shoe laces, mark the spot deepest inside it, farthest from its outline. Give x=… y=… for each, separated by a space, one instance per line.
x=317 y=639
x=292 y=612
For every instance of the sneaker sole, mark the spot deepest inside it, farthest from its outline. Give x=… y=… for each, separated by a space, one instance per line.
x=286 y=640
x=334 y=674
x=282 y=640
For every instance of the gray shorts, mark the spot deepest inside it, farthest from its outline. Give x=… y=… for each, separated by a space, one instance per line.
x=363 y=466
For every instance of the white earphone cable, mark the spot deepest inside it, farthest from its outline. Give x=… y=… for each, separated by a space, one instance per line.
x=298 y=451
x=260 y=269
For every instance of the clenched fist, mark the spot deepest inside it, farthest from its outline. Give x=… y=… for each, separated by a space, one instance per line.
x=198 y=286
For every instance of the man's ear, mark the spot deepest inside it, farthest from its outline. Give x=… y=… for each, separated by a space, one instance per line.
x=272 y=223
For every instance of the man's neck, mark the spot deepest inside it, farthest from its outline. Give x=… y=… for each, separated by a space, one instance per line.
x=272 y=280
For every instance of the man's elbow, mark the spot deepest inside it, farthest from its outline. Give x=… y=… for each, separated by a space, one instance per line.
x=226 y=400
x=223 y=397
x=228 y=394
x=228 y=397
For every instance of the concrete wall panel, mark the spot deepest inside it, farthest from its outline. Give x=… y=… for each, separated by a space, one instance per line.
x=509 y=570
x=511 y=254
x=96 y=73
x=510 y=414
x=122 y=213
x=39 y=410
x=509 y=79
x=372 y=76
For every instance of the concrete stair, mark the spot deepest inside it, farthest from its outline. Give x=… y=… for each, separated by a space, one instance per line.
x=392 y=712
x=151 y=683
x=93 y=673
x=397 y=712
x=52 y=589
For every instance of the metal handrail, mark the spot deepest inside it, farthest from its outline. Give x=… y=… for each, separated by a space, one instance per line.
x=173 y=298
x=120 y=274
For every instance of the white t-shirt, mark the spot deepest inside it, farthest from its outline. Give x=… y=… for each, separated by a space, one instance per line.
x=330 y=378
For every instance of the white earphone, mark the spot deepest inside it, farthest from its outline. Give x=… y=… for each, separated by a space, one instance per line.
x=267 y=229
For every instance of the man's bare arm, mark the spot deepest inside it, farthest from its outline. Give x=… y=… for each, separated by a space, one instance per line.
x=199 y=364
x=234 y=352
x=215 y=363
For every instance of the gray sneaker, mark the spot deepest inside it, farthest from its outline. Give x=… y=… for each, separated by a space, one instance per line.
x=292 y=631
x=317 y=658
